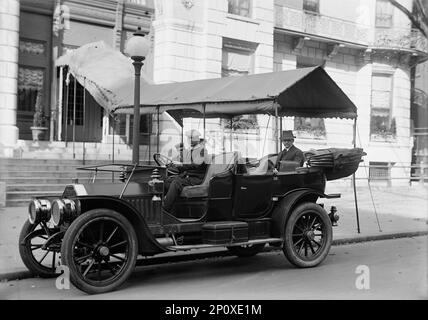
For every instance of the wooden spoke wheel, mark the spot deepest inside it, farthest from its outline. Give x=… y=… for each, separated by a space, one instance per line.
x=40 y=259
x=100 y=248
x=308 y=235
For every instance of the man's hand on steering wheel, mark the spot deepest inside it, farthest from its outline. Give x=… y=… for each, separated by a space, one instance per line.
x=164 y=161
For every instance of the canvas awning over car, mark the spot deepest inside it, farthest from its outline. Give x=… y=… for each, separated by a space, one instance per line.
x=306 y=92
x=108 y=76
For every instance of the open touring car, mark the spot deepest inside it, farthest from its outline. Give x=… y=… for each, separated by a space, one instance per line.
x=100 y=229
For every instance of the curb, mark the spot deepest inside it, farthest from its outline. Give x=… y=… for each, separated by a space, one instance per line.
x=410 y=234
x=17 y=275
x=25 y=274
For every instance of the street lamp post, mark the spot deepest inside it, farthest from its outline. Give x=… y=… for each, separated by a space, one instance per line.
x=137 y=48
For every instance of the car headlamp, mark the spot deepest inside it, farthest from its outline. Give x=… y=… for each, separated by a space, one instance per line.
x=63 y=210
x=39 y=210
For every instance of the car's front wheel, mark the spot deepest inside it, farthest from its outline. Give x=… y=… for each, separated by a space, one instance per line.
x=41 y=259
x=308 y=235
x=100 y=249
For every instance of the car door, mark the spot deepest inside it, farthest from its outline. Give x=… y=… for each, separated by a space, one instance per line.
x=253 y=195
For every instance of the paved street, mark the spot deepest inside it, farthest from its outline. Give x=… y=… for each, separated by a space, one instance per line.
x=398 y=270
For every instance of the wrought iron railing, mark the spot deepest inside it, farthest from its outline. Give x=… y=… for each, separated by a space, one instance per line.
x=313 y=23
x=140 y=2
x=400 y=38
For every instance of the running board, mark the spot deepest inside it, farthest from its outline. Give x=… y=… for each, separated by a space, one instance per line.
x=236 y=244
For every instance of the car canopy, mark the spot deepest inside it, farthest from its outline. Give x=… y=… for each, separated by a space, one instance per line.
x=108 y=76
x=306 y=92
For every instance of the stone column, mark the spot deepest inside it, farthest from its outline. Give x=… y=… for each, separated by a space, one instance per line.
x=9 y=44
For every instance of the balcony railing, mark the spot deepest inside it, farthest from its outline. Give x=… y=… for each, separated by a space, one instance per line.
x=315 y=24
x=400 y=38
x=310 y=23
x=140 y=2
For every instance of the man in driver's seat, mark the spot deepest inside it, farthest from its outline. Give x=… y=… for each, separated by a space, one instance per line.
x=191 y=171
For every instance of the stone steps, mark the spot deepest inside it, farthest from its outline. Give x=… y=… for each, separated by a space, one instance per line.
x=25 y=178
x=49 y=173
x=49 y=180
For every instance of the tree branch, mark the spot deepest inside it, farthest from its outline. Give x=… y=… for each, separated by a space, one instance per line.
x=416 y=21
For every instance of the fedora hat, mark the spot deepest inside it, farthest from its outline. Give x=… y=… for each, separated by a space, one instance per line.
x=287 y=135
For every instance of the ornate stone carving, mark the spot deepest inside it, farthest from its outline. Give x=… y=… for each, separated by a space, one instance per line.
x=298 y=43
x=32 y=47
x=188 y=4
x=30 y=78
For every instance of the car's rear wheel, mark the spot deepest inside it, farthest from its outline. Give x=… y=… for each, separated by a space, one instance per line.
x=246 y=251
x=308 y=235
x=100 y=248
x=40 y=259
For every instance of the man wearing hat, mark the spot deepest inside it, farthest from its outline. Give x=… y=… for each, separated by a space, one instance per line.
x=191 y=171
x=290 y=152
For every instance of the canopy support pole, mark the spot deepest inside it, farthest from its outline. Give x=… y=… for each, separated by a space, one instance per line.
x=60 y=101
x=67 y=92
x=354 y=142
x=182 y=139
x=74 y=117
x=276 y=129
x=112 y=152
x=203 y=119
x=158 y=131
x=84 y=118
x=231 y=134
x=280 y=132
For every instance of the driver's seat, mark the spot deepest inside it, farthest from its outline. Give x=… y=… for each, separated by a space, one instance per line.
x=219 y=164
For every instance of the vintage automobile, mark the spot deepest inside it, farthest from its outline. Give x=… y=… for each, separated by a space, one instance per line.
x=100 y=229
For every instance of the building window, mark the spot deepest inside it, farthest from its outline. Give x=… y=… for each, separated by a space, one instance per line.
x=309 y=127
x=311 y=5
x=76 y=114
x=381 y=121
x=30 y=82
x=238 y=60
x=384 y=13
x=240 y=7
x=379 y=171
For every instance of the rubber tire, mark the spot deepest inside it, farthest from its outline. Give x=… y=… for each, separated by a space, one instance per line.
x=27 y=255
x=287 y=248
x=245 y=252
x=67 y=250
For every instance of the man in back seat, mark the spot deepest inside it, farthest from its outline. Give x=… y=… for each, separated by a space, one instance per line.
x=192 y=170
x=290 y=152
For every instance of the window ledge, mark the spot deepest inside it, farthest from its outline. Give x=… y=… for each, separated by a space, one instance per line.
x=382 y=139
x=241 y=18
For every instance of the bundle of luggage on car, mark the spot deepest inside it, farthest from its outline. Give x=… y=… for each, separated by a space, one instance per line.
x=336 y=162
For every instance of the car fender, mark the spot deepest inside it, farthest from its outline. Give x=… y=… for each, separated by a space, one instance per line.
x=147 y=244
x=287 y=203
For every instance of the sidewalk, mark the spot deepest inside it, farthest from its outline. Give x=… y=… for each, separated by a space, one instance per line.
x=402 y=211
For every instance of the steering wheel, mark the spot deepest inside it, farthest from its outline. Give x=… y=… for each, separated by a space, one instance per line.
x=164 y=161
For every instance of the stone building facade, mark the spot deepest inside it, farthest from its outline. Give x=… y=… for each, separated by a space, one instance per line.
x=368 y=47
